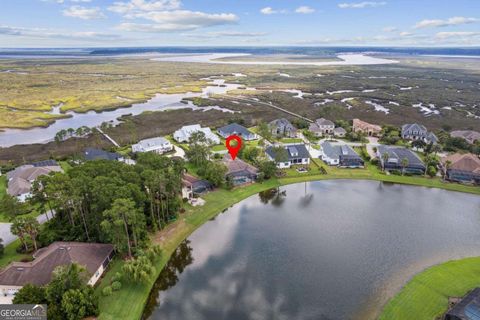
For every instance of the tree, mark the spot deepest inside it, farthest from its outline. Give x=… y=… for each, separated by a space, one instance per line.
x=448 y=164
x=404 y=164
x=30 y=294
x=215 y=172
x=121 y=222
x=418 y=144
x=198 y=151
x=385 y=157
x=11 y=206
x=281 y=154
x=19 y=229
x=142 y=268
x=268 y=168
x=32 y=227
x=264 y=131
x=432 y=171
x=65 y=278
x=78 y=304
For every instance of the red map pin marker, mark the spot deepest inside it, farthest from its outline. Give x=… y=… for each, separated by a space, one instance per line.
x=233 y=149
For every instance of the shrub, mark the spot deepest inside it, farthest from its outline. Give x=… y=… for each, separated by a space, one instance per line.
x=117 y=285
x=117 y=276
x=107 y=291
x=374 y=161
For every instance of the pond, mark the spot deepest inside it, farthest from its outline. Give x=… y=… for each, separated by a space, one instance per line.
x=319 y=250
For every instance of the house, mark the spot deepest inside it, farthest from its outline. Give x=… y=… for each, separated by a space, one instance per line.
x=469 y=135
x=468 y=308
x=158 y=145
x=339 y=132
x=395 y=157
x=415 y=131
x=297 y=154
x=91 y=154
x=21 y=179
x=282 y=128
x=236 y=129
x=239 y=171
x=183 y=134
x=462 y=168
x=192 y=186
x=322 y=127
x=93 y=256
x=371 y=130
x=340 y=155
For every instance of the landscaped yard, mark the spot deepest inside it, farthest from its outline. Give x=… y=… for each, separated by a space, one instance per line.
x=10 y=254
x=426 y=295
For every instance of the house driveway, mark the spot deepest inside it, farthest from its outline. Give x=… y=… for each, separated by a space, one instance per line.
x=8 y=237
x=179 y=152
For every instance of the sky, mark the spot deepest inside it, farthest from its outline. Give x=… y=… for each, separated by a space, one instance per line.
x=111 y=23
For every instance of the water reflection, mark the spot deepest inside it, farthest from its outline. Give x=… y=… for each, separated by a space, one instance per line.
x=330 y=250
x=180 y=259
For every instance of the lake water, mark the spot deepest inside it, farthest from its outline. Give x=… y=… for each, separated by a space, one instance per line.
x=345 y=59
x=320 y=250
x=10 y=137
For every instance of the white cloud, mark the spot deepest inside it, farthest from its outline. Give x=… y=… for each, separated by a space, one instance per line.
x=454 y=21
x=361 y=5
x=142 y=5
x=39 y=33
x=270 y=10
x=389 y=29
x=406 y=34
x=83 y=13
x=304 y=10
x=457 y=34
x=177 y=20
x=237 y=34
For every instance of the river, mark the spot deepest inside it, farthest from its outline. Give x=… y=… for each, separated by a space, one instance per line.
x=319 y=250
x=160 y=102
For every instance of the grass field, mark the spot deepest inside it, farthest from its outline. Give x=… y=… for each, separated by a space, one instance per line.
x=426 y=295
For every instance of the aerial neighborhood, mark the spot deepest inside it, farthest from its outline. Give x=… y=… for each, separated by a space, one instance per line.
x=184 y=170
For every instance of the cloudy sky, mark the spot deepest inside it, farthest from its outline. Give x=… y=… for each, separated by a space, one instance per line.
x=104 y=23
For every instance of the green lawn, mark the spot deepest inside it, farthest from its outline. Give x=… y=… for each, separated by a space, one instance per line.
x=65 y=165
x=10 y=254
x=219 y=147
x=426 y=295
x=291 y=140
x=114 y=306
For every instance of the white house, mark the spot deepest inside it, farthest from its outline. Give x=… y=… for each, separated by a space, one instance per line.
x=158 y=145
x=297 y=154
x=95 y=257
x=183 y=134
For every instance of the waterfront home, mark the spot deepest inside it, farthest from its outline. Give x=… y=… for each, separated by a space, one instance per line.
x=282 y=128
x=371 y=130
x=469 y=135
x=92 y=154
x=322 y=127
x=21 y=179
x=467 y=308
x=93 y=256
x=339 y=132
x=340 y=155
x=236 y=129
x=415 y=131
x=296 y=154
x=157 y=145
x=193 y=186
x=238 y=171
x=183 y=134
x=462 y=168
x=395 y=159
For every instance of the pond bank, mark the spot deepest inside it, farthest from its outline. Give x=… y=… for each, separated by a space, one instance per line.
x=114 y=307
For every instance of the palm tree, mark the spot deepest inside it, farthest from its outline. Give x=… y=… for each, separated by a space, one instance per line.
x=385 y=158
x=448 y=164
x=404 y=164
x=31 y=227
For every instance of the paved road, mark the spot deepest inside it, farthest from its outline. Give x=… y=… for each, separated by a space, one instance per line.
x=8 y=237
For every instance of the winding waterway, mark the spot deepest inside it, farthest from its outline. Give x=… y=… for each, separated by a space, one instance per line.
x=160 y=102
x=319 y=250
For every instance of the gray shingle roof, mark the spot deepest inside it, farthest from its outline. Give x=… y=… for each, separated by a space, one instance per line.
x=335 y=151
x=234 y=128
x=296 y=151
x=396 y=154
